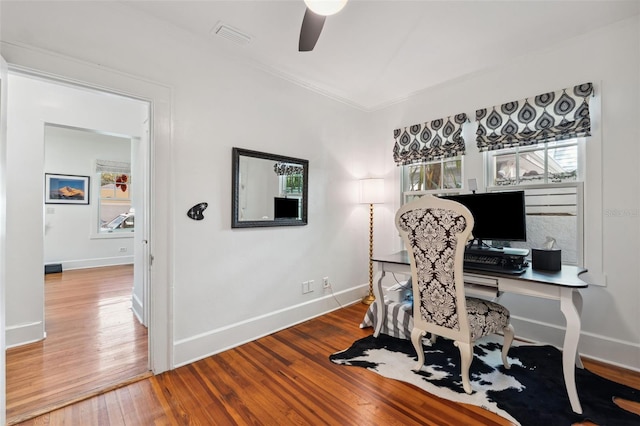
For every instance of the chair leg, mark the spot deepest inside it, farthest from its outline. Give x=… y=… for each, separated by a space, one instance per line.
x=508 y=339
x=416 y=339
x=466 y=356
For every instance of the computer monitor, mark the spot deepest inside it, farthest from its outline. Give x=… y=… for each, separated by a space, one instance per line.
x=285 y=208
x=497 y=215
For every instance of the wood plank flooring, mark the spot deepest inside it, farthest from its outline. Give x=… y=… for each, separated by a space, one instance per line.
x=281 y=379
x=93 y=343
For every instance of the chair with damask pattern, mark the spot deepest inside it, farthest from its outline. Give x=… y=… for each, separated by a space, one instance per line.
x=435 y=232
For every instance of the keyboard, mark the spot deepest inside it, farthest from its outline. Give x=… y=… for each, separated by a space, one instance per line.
x=479 y=262
x=482 y=260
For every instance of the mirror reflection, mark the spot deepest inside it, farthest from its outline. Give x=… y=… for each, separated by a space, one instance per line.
x=268 y=189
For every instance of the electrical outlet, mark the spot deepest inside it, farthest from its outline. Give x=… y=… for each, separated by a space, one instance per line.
x=325 y=283
x=307 y=287
x=123 y=249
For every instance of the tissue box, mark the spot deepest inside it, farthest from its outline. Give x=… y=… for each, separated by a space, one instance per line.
x=546 y=260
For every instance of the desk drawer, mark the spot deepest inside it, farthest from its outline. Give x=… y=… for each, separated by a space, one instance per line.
x=482 y=280
x=480 y=286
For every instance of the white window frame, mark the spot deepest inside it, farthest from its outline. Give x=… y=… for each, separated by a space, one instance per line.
x=406 y=195
x=95 y=232
x=548 y=198
x=521 y=181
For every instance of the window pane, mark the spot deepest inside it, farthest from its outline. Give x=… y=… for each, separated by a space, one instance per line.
x=531 y=167
x=505 y=172
x=115 y=215
x=563 y=163
x=114 y=185
x=414 y=178
x=452 y=174
x=291 y=184
x=432 y=176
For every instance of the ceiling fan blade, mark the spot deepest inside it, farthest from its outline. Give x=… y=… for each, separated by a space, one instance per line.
x=311 y=28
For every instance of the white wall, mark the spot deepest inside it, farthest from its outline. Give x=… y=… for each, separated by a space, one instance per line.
x=229 y=286
x=37 y=103
x=609 y=58
x=70 y=231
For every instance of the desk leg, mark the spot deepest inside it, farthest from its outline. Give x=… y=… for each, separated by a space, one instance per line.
x=577 y=302
x=379 y=302
x=571 y=305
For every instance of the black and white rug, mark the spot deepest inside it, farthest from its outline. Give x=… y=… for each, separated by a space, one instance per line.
x=532 y=392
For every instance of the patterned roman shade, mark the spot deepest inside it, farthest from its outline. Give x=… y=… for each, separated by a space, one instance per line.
x=552 y=116
x=284 y=169
x=429 y=141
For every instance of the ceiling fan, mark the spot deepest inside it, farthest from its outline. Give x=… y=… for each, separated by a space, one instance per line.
x=313 y=21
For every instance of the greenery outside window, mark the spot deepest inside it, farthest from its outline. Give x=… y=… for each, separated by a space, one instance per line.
x=291 y=184
x=115 y=214
x=431 y=177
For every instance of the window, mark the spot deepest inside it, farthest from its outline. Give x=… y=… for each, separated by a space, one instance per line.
x=291 y=184
x=551 y=175
x=431 y=177
x=115 y=214
x=291 y=187
x=552 y=162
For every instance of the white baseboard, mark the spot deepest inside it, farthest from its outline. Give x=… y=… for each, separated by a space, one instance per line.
x=22 y=334
x=201 y=346
x=136 y=307
x=68 y=265
x=611 y=351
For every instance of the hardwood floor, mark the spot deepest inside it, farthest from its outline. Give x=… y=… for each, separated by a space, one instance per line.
x=93 y=343
x=284 y=378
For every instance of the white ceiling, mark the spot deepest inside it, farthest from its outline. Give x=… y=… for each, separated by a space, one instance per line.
x=376 y=52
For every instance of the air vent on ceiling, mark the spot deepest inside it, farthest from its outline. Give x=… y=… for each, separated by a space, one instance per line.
x=232 y=34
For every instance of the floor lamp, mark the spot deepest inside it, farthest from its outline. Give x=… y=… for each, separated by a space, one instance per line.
x=371 y=192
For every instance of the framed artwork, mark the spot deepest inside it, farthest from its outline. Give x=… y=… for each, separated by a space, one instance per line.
x=66 y=189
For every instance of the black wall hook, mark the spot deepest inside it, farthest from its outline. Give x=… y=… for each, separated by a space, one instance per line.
x=195 y=212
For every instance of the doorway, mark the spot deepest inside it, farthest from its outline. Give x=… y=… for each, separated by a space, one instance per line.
x=65 y=107
x=19 y=253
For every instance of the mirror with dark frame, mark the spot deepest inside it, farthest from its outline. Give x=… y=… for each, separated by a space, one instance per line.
x=268 y=189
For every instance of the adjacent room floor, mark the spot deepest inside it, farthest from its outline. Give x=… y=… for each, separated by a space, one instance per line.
x=94 y=343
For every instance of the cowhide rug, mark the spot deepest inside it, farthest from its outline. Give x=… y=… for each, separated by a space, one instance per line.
x=532 y=392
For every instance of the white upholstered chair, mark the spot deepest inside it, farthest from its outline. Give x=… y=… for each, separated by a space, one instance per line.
x=435 y=232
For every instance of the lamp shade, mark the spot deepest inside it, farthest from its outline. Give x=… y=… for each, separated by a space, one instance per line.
x=372 y=191
x=325 y=7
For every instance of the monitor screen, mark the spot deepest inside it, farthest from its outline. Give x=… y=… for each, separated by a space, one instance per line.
x=285 y=208
x=497 y=215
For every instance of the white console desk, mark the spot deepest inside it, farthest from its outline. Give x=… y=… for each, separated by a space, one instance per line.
x=563 y=286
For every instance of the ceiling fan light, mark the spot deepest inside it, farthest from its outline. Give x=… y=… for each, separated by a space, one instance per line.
x=325 y=7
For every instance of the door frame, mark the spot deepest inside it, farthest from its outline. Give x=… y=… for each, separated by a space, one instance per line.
x=71 y=71
x=3 y=215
